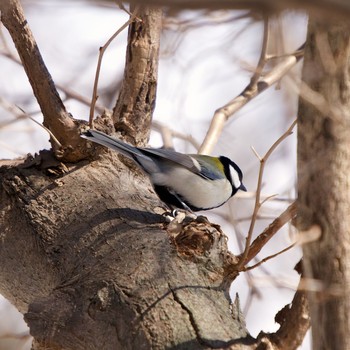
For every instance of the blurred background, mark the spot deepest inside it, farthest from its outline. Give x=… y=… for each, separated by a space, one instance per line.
x=207 y=58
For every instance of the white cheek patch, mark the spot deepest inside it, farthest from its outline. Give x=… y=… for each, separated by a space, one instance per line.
x=235 y=178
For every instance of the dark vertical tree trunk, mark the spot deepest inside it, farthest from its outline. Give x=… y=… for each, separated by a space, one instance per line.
x=324 y=180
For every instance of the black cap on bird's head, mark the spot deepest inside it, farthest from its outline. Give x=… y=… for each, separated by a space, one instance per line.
x=234 y=174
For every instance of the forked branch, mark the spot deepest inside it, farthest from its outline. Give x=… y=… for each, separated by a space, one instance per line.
x=258 y=203
x=257 y=85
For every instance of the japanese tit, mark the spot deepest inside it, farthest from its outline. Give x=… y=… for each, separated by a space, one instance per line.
x=188 y=181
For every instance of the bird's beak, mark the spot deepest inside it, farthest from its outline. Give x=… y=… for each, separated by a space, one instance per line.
x=242 y=187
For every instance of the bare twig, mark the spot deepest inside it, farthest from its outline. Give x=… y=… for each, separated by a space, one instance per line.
x=122 y=7
x=168 y=133
x=11 y=108
x=54 y=138
x=99 y=63
x=222 y=114
x=263 y=56
x=256 y=153
x=257 y=206
x=247 y=268
x=270 y=231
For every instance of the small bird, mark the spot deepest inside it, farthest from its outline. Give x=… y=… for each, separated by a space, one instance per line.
x=187 y=181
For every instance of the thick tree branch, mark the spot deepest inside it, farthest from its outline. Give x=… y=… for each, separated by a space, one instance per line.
x=99 y=270
x=99 y=63
x=324 y=183
x=55 y=115
x=132 y=114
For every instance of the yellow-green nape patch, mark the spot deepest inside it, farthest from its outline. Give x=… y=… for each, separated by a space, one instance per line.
x=215 y=161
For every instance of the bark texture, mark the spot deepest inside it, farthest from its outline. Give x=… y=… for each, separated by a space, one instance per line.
x=132 y=114
x=83 y=254
x=324 y=182
x=95 y=268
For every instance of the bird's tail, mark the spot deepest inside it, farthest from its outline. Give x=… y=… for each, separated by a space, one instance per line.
x=113 y=143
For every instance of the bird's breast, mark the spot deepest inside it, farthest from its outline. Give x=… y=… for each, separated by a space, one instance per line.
x=193 y=189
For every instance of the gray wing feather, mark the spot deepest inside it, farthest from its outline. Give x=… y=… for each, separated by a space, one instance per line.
x=113 y=143
x=175 y=157
x=144 y=156
x=134 y=153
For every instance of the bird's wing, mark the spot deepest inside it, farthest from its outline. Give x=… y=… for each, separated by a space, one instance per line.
x=145 y=156
x=113 y=143
x=211 y=167
x=187 y=161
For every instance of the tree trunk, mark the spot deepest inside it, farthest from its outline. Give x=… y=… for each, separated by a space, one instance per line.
x=97 y=269
x=324 y=182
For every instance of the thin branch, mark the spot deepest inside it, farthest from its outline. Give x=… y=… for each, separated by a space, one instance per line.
x=11 y=108
x=54 y=138
x=247 y=268
x=256 y=153
x=122 y=7
x=99 y=63
x=311 y=235
x=268 y=198
x=222 y=114
x=326 y=56
x=257 y=206
x=263 y=56
x=270 y=231
x=168 y=133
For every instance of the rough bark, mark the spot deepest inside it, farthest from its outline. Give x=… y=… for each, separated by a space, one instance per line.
x=324 y=182
x=132 y=114
x=96 y=268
